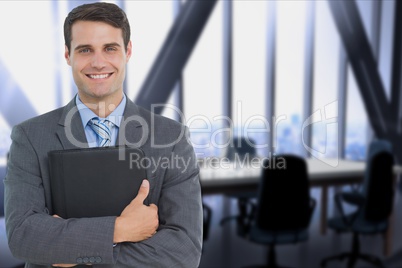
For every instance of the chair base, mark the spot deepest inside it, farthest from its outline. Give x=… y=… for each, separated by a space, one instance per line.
x=352 y=259
x=271 y=260
x=354 y=255
x=266 y=266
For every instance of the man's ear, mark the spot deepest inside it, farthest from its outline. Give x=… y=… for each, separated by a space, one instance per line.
x=129 y=51
x=67 y=55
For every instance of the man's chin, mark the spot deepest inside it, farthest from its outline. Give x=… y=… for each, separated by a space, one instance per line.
x=96 y=95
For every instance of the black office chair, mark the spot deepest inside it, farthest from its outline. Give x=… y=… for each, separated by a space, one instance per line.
x=377 y=145
x=374 y=205
x=284 y=206
x=207 y=215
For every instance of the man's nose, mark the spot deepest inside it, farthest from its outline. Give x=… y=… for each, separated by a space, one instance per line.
x=98 y=61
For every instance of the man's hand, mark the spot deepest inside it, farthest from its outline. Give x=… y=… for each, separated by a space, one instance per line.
x=137 y=222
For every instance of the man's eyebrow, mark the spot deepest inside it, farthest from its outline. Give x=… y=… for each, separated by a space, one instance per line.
x=81 y=47
x=114 y=44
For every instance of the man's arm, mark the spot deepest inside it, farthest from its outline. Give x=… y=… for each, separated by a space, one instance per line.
x=34 y=235
x=136 y=223
x=178 y=241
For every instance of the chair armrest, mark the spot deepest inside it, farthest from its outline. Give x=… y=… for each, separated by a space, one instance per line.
x=247 y=210
x=313 y=204
x=245 y=218
x=339 y=207
x=207 y=211
x=228 y=218
x=353 y=198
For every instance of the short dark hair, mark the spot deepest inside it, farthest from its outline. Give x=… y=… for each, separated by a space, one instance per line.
x=103 y=12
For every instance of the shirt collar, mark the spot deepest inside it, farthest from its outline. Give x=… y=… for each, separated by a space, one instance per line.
x=86 y=113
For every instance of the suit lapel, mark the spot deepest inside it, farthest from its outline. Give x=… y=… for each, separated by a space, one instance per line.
x=71 y=132
x=134 y=130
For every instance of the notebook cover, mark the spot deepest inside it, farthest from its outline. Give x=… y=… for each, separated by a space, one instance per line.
x=94 y=182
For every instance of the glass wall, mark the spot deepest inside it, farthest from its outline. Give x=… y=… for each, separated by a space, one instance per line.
x=202 y=83
x=249 y=72
x=35 y=78
x=326 y=74
x=290 y=56
x=31 y=63
x=150 y=22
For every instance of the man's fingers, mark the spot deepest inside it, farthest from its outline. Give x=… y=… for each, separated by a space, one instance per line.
x=143 y=191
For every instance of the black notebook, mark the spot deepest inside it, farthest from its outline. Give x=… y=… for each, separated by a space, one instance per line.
x=94 y=182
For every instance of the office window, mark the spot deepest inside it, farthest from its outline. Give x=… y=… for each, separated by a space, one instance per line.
x=202 y=82
x=290 y=75
x=150 y=22
x=5 y=141
x=28 y=50
x=249 y=72
x=326 y=64
x=386 y=47
x=356 y=122
x=358 y=131
x=29 y=63
x=174 y=107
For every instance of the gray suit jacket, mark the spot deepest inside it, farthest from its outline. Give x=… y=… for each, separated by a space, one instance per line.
x=41 y=240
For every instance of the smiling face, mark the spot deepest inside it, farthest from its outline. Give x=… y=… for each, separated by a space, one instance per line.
x=98 y=60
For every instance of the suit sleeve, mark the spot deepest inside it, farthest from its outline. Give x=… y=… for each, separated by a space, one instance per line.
x=178 y=241
x=35 y=236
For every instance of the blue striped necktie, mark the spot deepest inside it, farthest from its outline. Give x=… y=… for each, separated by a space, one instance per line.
x=102 y=128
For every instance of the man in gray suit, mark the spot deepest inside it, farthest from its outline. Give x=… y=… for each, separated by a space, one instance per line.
x=162 y=226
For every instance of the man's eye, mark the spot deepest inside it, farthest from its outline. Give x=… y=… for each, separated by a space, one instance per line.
x=84 y=50
x=110 y=49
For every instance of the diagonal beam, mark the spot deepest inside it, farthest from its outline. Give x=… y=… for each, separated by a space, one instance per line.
x=14 y=105
x=357 y=46
x=342 y=101
x=270 y=81
x=227 y=59
x=396 y=82
x=174 y=53
x=375 y=30
x=308 y=72
x=178 y=91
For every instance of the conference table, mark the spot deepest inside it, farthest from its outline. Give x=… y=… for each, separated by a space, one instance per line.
x=226 y=178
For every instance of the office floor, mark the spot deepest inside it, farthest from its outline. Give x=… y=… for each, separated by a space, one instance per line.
x=224 y=249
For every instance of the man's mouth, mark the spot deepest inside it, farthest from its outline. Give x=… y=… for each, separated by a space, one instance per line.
x=99 y=76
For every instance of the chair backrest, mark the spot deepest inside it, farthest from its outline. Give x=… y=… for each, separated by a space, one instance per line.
x=378 y=186
x=284 y=195
x=376 y=146
x=241 y=147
